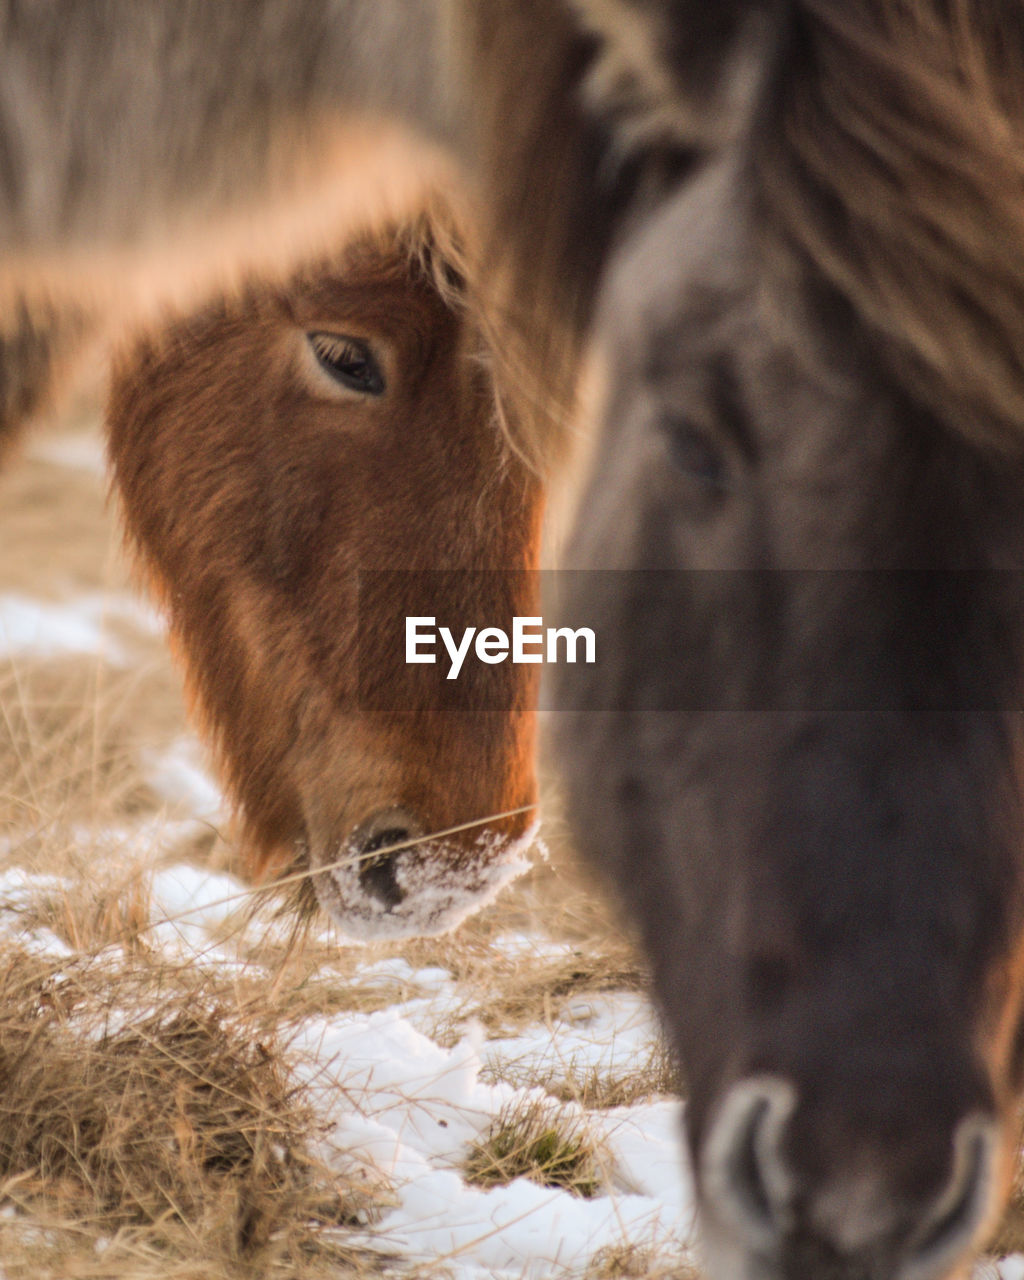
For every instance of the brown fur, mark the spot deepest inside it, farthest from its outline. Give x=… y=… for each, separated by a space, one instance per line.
x=552 y=198
x=256 y=499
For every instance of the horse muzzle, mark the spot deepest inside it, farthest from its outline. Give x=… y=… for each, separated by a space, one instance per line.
x=391 y=879
x=759 y=1223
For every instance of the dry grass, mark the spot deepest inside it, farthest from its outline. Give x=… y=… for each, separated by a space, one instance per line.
x=656 y=1076
x=149 y=1121
x=633 y=1262
x=68 y=742
x=149 y=1113
x=531 y=1139
x=507 y=992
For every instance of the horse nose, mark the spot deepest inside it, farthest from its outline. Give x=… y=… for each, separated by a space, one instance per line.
x=964 y=1208
x=377 y=844
x=745 y=1180
x=751 y=1189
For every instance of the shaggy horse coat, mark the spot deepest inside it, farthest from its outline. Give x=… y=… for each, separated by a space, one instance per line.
x=804 y=364
x=299 y=469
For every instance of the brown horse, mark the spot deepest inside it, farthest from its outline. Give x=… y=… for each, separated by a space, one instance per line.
x=299 y=469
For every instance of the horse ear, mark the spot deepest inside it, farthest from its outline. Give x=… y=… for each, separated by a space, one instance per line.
x=684 y=72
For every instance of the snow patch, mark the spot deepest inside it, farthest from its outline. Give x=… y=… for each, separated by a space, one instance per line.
x=41 y=629
x=398 y=1102
x=75 y=451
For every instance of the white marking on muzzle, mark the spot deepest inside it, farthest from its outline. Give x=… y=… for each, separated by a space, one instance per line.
x=441 y=883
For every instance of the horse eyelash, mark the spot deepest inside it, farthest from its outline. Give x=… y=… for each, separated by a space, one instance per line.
x=334 y=348
x=333 y=351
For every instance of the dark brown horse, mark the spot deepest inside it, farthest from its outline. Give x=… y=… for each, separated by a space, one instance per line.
x=299 y=469
x=800 y=760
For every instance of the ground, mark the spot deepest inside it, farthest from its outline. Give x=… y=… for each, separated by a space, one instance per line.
x=195 y=1083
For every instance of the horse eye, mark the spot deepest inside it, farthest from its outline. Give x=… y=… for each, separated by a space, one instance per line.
x=348 y=361
x=697 y=454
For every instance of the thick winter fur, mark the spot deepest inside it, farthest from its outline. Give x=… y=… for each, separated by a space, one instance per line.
x=891 y=166
x=807 y=728
x=290 y=524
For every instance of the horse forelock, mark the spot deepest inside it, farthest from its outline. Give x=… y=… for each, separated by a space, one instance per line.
x=447 y=252
x=447 y=255
x=440 y=246
x=887 y=158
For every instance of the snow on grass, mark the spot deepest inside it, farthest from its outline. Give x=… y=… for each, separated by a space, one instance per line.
x=41 y=629
x=406 y=1110
x=188 y=906
x=76 y=451
x=604 y=1033
x=396 y=1104
x=412 y=1109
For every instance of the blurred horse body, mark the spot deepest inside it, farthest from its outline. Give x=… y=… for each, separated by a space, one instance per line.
x=800 y=759
x=155 y=155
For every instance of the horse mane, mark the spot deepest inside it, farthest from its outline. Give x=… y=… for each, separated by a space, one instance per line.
x=443 y=246
x=888 y=158
x=557 y=191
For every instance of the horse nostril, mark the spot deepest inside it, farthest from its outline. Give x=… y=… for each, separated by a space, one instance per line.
x=377 y=877
x=744 y=1175
x=965 y=1205
x=374 y=845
